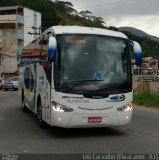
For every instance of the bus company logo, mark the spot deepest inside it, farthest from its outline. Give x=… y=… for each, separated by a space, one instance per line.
x=116 y=98
x=67 y=97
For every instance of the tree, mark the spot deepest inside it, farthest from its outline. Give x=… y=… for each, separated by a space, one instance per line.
x=85 y=14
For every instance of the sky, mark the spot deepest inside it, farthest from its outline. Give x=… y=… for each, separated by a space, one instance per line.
x=141 y=14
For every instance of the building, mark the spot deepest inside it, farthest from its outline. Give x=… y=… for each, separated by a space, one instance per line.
x=15 y=24
x=149 y=66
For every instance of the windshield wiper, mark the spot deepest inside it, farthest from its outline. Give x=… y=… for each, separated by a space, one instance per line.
x=80 y=82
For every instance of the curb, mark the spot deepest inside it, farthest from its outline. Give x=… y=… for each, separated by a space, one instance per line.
x=146 y=108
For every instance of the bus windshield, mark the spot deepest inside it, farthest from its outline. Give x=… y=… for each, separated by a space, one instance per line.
x=92 y=63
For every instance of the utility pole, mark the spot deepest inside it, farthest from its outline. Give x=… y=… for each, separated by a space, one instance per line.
x=35 y=30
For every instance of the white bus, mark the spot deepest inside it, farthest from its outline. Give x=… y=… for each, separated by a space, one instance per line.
x=74 y=76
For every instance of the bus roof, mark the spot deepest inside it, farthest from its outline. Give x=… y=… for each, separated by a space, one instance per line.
x=85 y=30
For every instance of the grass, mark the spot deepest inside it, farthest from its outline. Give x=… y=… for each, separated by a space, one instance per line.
x=147 y=99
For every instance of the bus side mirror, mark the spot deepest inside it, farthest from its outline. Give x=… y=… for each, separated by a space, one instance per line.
x=52 y=49
x=137 y=53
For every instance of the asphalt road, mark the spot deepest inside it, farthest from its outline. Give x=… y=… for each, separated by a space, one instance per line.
x=20 y=133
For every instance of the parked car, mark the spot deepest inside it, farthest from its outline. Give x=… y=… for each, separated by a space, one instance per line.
x=1 y=84
x=11 y=83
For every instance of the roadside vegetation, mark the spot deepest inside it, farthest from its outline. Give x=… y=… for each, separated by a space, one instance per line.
x=147 y=99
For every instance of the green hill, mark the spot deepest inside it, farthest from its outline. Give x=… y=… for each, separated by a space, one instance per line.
x=58 y=13
x=63 y=13
x=149 y=47
x=138 y=33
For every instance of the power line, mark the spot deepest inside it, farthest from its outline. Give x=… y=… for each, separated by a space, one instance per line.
x=105 y=4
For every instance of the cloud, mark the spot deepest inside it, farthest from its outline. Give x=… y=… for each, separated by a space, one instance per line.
x=141 y=14
x=130 y=7
x=146 y=23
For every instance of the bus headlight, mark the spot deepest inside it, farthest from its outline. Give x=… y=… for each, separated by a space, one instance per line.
x=60 y=108
x=127 y=107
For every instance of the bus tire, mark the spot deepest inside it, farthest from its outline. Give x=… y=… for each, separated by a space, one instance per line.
x=42 y=124
x=24 y=108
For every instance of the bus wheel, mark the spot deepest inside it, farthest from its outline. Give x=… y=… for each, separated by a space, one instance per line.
x=42 y=124
x=24 y=108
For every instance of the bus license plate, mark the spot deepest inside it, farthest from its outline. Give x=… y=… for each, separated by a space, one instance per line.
x=94 y=119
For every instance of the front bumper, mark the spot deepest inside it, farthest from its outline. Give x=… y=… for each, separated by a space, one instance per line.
x=80 y=120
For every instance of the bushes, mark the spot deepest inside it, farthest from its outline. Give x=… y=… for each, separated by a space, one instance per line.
x=147 y=99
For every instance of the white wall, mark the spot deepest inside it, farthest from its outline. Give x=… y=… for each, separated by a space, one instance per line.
x=9 y=64
x=6 y=18
x=8 y=50
x=29 y=23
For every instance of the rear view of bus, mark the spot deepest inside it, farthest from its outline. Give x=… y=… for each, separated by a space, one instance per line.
x=91 y=80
